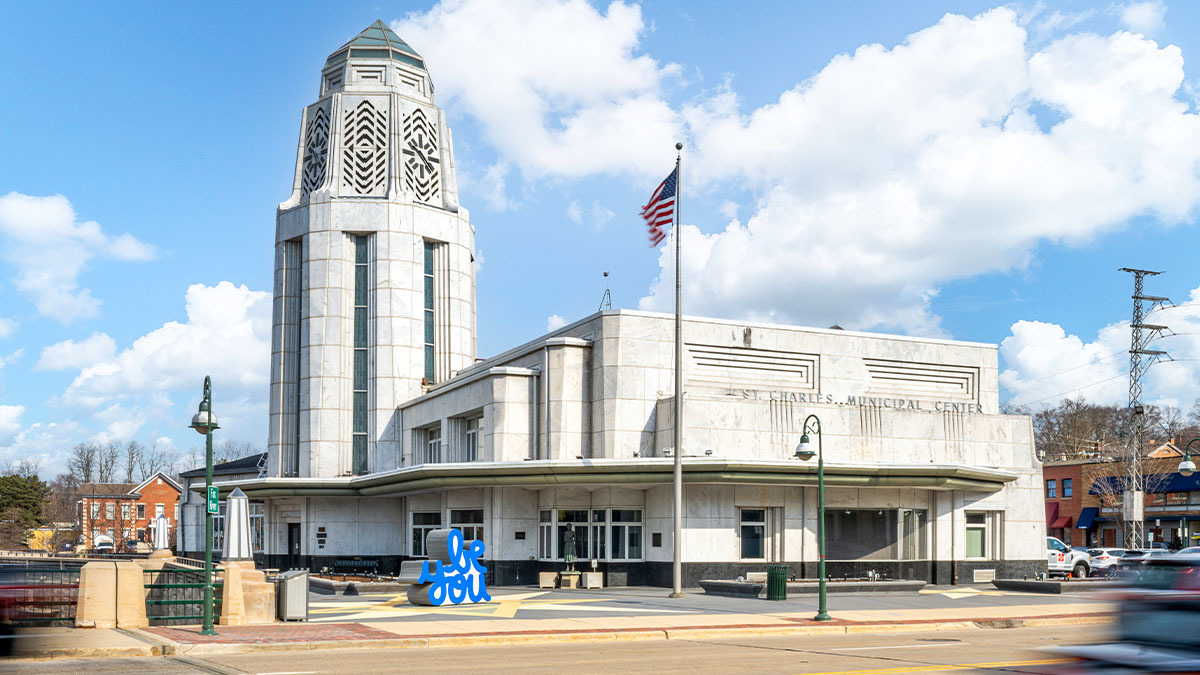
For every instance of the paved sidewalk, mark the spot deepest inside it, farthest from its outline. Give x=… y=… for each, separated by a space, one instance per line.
x=614 y=614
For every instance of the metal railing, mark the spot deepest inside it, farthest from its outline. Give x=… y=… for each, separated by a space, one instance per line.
x=176 y=597
x=38 y=596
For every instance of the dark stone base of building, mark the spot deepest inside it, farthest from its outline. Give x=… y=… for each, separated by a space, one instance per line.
x=651 y=573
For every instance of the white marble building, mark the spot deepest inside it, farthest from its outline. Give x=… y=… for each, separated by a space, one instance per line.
x=383 y=426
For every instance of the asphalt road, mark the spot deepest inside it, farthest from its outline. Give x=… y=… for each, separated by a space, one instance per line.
x=964 y=651
x=644 y=601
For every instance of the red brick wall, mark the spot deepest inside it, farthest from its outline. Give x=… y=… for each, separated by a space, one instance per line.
x=156 y=492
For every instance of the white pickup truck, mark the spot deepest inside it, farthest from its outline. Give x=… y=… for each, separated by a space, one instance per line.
x=1062 y=559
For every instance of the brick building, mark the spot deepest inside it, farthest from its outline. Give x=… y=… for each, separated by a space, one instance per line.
x=126 y=511
x=1084 y=500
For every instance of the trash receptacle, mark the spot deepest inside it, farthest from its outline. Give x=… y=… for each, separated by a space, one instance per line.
x=777 y=582
x=291 y=595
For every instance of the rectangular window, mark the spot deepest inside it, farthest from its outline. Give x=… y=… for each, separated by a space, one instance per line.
x=258 y=528
x=577 y=521
x=1051 y=489
x=361 y=375
x=141 y=511
x=423 y=523
x=293 y=283
x=599 y=535
x=125 y=511
x=158 y=510
x=912 y=534
x=109 y=510
x=545 y=534
x=470 y=522
x=861 y=534
x=1066 y=484
x=429 y=325
x=1176 y=498
x=95 y=510
x=433 y=446
x=219 y=528
x=627 y=534
x=753 y=533
x=471 y=440
x=977 y=532
x=141 y=534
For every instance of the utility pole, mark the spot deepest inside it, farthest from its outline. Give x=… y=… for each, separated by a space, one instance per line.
x=1141 y=335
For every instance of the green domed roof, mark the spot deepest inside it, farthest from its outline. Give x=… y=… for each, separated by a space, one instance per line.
x=378 y=42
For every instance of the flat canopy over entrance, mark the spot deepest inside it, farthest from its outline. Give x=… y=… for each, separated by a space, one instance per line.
x=655 y=471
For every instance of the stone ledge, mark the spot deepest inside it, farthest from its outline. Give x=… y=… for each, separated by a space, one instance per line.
x=744 y=589
x=1055 y=587
x=737 y=589
x=327 y=587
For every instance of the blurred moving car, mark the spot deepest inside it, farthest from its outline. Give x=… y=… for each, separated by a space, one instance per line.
x=1158 y=624
x=1062 y=559
x=1104 y=560
x=1191 y=550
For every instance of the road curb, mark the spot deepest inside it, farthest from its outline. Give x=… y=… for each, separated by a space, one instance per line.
x=159 y=646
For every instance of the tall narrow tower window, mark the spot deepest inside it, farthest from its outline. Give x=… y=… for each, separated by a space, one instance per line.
x=361 y=281
x=429 y=332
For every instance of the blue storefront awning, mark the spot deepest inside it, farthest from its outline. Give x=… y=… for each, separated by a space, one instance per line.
x=1086 y=517
x=1155 y=482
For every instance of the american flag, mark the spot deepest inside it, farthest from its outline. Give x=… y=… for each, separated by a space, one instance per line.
x=661 y=208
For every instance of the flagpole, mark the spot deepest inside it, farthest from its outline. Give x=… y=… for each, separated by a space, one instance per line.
x=677 y=564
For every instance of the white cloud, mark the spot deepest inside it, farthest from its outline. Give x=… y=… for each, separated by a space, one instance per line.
x=227 y=335
x=49 y=247
x=574 y=213
x=120 y=423
x=7 y=327
x=10 y=421
x=600 y=215
x=554 y=322
x=1143 y=17
x=557 y=85
x=77 y=355
x=1043 y=364
x=893 y=171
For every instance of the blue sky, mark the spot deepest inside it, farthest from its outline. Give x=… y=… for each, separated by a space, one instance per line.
x=880 y=165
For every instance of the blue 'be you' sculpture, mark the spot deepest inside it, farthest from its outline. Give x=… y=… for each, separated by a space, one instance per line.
x=452 y=575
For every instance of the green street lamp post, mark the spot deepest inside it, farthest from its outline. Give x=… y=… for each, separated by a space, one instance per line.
x=812 y=424
x=205 y=422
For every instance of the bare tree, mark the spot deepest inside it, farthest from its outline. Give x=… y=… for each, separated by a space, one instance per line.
x=1075 y=429
x=83 y=460
x=157 y=458
x=26 y=467
x=231 y=450
x=106 y=461
x=133 y=456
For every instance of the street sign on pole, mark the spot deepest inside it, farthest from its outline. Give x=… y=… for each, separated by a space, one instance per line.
x=212 y=499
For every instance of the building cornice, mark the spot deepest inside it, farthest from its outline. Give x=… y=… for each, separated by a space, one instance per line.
x=646 y=471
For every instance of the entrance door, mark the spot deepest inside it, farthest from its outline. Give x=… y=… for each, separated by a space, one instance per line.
x=293 y=556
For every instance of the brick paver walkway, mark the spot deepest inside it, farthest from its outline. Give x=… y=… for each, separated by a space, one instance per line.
x=272 y=633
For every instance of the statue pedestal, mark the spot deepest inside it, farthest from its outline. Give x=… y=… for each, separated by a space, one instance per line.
x=547 y=579
x=162 y=553
x=568 y=579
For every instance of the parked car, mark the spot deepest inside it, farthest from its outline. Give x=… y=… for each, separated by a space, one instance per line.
x=1062 y=559
x=104 y=547
x=1158 y=624
x=135 y=546
x=1104 y=560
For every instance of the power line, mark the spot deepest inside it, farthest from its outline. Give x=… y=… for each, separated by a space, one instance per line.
x=1072 y=391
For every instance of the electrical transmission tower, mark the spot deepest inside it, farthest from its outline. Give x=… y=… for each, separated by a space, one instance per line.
x=1140 y=360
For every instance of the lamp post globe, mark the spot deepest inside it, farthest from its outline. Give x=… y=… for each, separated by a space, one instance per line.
x=1187 y=467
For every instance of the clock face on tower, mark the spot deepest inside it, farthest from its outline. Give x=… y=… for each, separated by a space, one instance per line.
x=421 y=156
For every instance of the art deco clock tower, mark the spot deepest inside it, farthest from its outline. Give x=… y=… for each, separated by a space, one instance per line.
x=374 y=265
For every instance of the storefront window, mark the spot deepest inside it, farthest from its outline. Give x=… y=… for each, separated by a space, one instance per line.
x=423 y=523
x=545 y=534
x=1176 y=498
x=753 y=533
x=599 y=533
x=861 y=534
x=577 y=520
